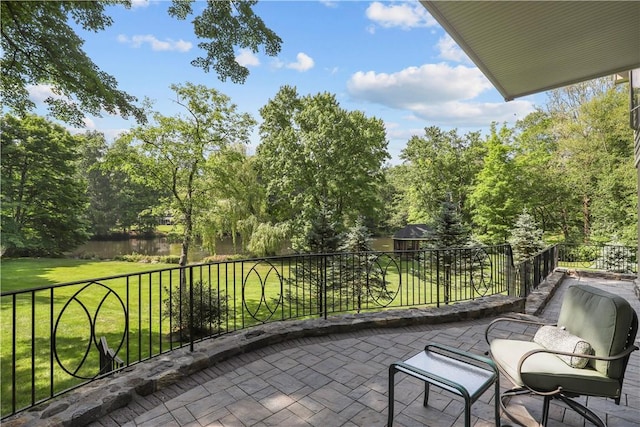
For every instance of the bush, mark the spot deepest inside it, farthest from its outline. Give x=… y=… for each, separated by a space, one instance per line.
x=149 y=259
x=209 y=310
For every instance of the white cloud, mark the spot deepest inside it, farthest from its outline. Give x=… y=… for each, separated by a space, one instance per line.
x=39 y=93
x=139 y=3
x=304 y=62
x=437 y=93
x=449 y=50
x=403 y=15
x=246 y=58
x=416 y=85
x=156 y=44
x=329 y=3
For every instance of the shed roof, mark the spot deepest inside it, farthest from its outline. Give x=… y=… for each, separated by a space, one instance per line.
x=413 y=232
x=525 y=47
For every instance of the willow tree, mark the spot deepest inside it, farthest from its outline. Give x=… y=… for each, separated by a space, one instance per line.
x=181 y=154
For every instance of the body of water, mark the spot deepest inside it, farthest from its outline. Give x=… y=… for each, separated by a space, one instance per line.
x=108 y=249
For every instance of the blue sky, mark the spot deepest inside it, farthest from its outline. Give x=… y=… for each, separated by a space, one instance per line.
x=390 y=60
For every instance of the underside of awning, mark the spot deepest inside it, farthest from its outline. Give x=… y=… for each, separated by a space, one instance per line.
x=526 y=47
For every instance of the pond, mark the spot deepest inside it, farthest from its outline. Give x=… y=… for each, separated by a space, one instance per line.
x=108 y=249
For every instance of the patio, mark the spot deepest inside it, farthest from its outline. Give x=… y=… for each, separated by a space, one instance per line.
x=341 y=380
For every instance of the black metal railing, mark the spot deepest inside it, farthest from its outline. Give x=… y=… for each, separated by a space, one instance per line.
x=613 y=258
x=57 y=338
x=531 y=272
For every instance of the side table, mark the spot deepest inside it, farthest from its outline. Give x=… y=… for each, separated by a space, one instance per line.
x=451 y=369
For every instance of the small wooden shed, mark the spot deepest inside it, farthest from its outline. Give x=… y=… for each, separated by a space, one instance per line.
x=410 y=237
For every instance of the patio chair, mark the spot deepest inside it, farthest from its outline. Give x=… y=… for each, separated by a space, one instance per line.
x=584 y=354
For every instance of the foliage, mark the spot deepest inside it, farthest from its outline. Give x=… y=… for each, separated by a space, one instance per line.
x=321 y=236
x=181 y=155
x=494 y=198
x=43 y=201
x=595 y=153
x=526 y=238
x=208 y=310
x=149 y=259
x=116 y=201
x=267 y=239
x=438 y=166
x=448 y=229
x=227 y=25
x=360 y=280
x=315 y=155
x=40 y=47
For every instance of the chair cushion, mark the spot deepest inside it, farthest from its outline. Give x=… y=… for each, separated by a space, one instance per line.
x=554 y=338
x=545 y=372
x=600 y=318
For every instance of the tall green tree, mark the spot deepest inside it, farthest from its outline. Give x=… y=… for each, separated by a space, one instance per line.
x=494 y=198
x=39 y=46
x=313 y=154
x=541 y=185
x=526 y=237
x=179 y=154
x=439 y=165
x=43 y=201
x=595 y=153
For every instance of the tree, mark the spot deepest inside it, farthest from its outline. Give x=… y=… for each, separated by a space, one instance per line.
x=314 y=155
x=360 y=281
x=541 y=184
x=526 y=238
x=494 y=198
x=449 y=231
x=40 y=47
x=179 y=154
x=595 y=153
x=43 y=201
x=440 y=165
x=116 y=201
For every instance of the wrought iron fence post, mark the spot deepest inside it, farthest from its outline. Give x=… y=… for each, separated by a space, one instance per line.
x=191 y=329
x=438 y=278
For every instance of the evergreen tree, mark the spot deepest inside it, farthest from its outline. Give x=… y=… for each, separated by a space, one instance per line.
x=360 y=281
x=448 y=228
x=526 y=238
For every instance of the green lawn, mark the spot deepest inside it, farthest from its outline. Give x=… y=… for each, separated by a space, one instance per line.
x=26 y=273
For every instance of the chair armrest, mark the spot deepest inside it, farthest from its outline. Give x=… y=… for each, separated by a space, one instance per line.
x=509 y=319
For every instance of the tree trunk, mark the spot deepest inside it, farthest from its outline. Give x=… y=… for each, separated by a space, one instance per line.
x=186 y=239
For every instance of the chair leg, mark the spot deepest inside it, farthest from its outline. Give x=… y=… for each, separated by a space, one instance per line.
x=582 y=410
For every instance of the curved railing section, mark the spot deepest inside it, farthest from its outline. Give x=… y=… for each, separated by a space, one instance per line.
x=56 y=338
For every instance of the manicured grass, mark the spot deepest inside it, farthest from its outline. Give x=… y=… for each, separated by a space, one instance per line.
x=27 y=273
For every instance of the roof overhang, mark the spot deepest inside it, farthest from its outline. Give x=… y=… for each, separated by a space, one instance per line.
x=526 y=47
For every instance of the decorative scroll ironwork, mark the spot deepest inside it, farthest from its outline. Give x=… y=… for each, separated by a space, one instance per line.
x=92 y=318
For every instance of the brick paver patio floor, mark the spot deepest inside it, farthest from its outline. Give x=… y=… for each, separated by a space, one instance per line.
x=341 y=380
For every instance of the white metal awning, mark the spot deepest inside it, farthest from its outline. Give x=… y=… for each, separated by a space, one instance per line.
x=525 y=47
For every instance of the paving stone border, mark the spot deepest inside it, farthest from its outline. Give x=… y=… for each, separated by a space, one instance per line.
x=93 y=401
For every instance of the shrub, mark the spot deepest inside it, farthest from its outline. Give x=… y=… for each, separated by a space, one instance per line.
x=209 y=310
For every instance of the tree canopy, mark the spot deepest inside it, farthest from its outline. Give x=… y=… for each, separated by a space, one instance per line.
x=39 y=46
x=43 y=199
x=314 y=155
